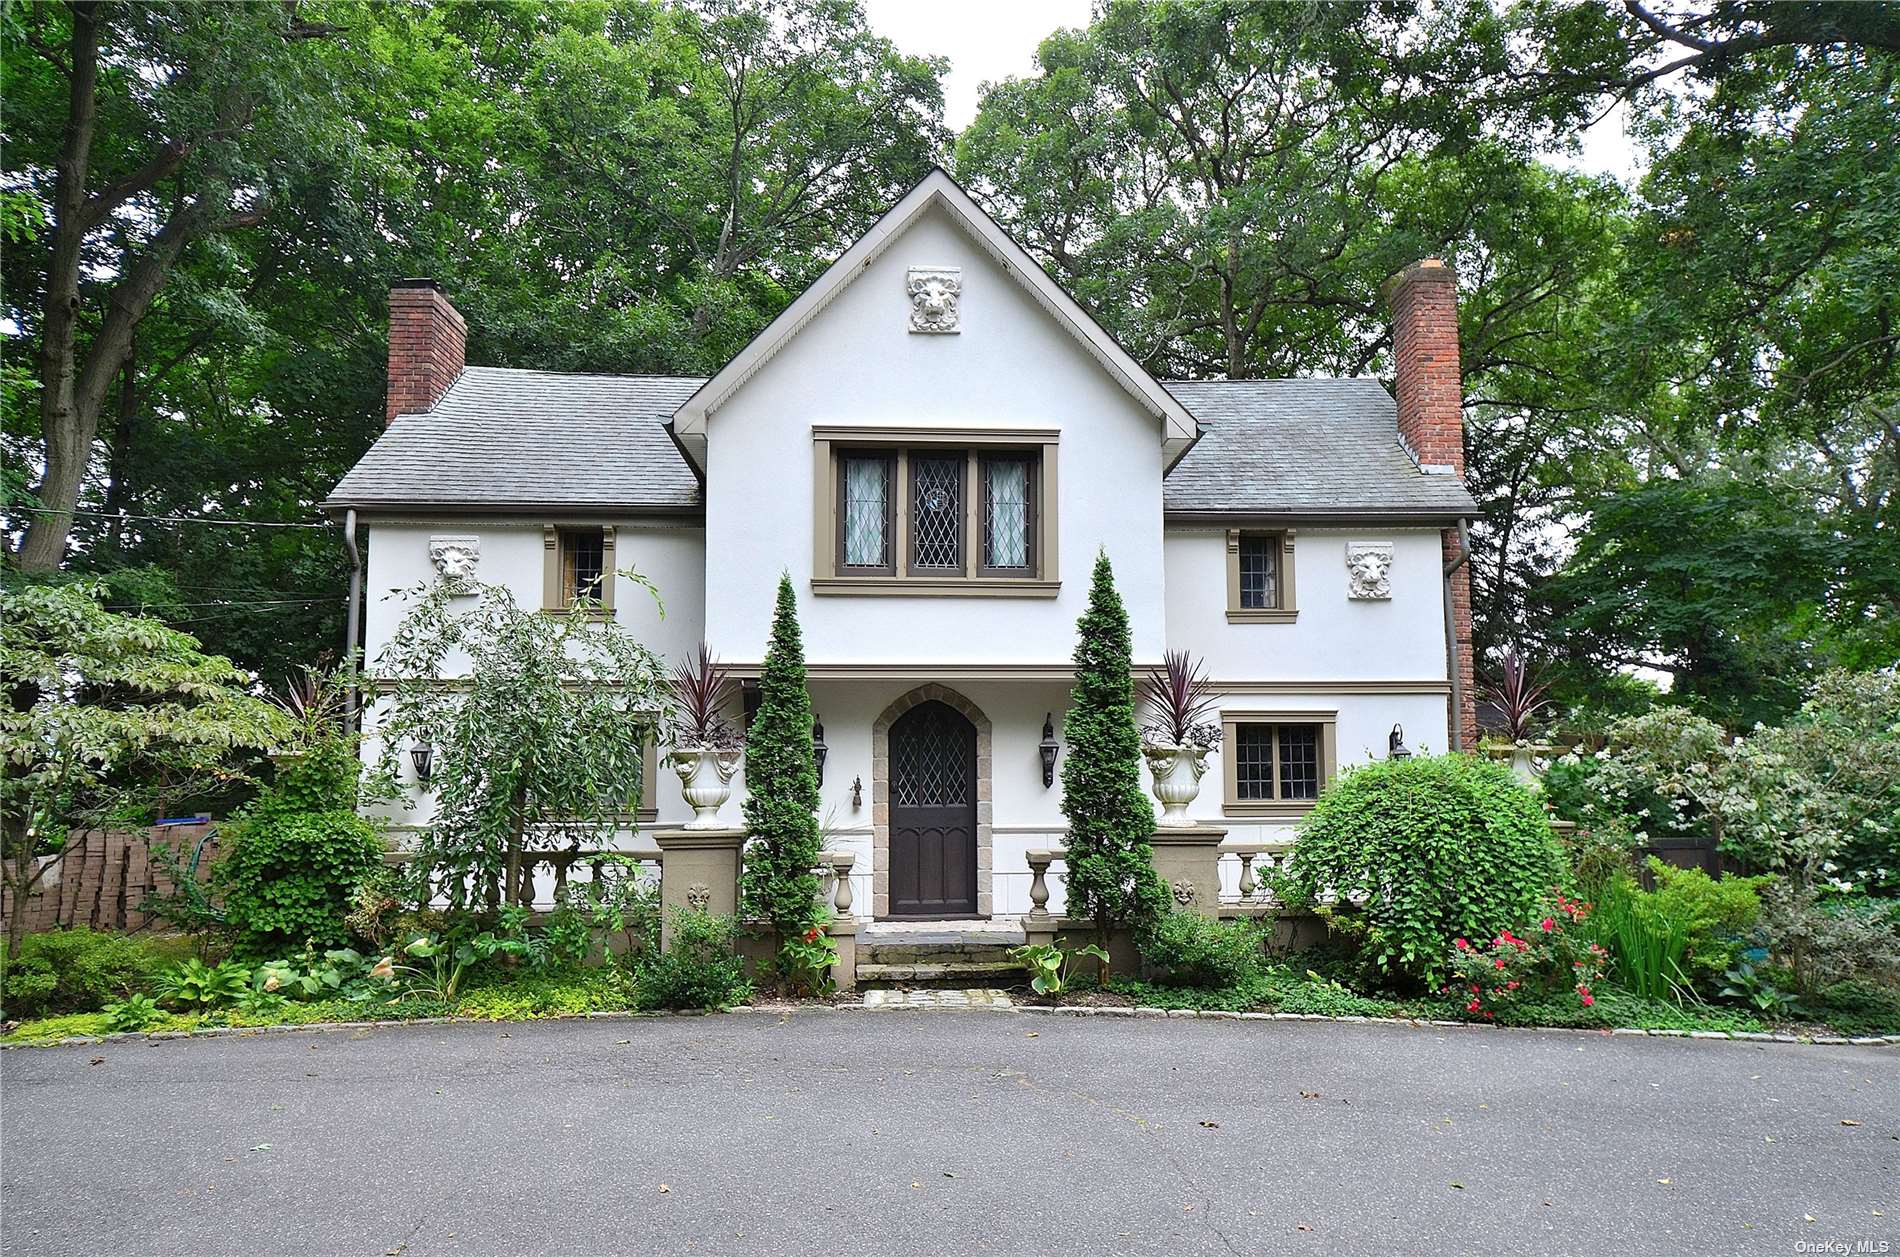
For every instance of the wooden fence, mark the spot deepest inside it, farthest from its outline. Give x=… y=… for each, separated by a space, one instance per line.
x=107 y=873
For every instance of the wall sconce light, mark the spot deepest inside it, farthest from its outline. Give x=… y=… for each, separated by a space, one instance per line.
x=818 y=747
x=1395 y=747
x=422 y=755
x=857 y=793
x=1047 y=749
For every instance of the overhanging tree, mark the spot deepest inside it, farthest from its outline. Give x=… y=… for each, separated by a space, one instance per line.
x=1112 y=878
x=538 y=723
x=781 y=779
x=106 y=713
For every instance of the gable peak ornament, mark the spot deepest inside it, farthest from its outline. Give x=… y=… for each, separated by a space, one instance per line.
x=936 y=298
x=1369 y=570
x=455 y=560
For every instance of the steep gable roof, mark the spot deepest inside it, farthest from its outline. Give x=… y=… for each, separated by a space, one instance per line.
x=938 y=189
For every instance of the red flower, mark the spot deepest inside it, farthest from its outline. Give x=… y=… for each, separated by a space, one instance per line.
x=811 y=935
x=1589 y=1000
x=1461 y=944
x=1500 y=962
x=1472 y=1007
x=1549 y=925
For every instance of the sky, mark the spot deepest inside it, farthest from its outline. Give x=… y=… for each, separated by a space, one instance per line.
x=988 y=40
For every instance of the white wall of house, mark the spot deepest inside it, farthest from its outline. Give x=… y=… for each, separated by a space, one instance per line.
x=856 y=363
x=1335 y=637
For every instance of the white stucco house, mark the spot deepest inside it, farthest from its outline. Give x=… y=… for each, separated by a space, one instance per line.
x=935 y=441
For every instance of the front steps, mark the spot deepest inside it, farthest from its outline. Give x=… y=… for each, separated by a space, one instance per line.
x=939 y=954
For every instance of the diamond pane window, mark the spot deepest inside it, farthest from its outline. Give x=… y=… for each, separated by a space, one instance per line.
x=1299 y=761
x=1253 y=761
x=1006 y=512
x=927 y=763
x=1259 y=572
x=867 y=497
x=936 y=505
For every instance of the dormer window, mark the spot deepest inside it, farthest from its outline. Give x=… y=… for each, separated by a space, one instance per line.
x=935 y=512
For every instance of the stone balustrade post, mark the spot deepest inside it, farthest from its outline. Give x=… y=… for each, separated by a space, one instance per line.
x=1248 y=853
x=844 y=925
x=1039 y=925
x=699 y=871
x=1188 y=859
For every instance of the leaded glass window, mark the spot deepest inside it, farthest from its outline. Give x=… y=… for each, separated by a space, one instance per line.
x=1277 y=762
x=1259 y=572
x=583 y=556
x=1006 y=512
x=867 y=511
x=936 y=506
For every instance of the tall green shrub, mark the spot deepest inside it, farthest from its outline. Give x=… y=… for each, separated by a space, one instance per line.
x=1412 y=854
x=298 y=854
x=781 y=777
x=1111 y=875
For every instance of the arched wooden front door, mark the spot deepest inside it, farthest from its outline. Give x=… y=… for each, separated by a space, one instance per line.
x=933 y=813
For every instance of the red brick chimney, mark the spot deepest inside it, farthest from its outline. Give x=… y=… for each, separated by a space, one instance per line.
x=1430 y=393
x=428 y=343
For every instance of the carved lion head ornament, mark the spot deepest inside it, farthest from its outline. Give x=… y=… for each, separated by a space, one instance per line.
x=936 y=294
x=1369 y=569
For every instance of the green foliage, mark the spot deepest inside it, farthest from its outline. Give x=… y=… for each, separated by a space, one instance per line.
x=1422 y=851
x=700 y=970
x=1556 y=954
x=804 y=963
x=1745 y=984
x=1111 y=875
x=1859 y=1007
x=606 y=989
x=537 y=747
x=1828 y=939
x=109 y=712
x=75 y=971
x=1048 y=964
x=134 y=1012
x=1715 y=912
x=341 y=973
x=1192 y=949
x=194 y=985
x=781 y=806
x=1648 y=943
x=299 y=855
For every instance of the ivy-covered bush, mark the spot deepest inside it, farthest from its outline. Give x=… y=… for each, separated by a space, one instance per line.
x=77 y=971
x=1183 y=949
x=1410 y=854
x=699 y=970
x=298 y=855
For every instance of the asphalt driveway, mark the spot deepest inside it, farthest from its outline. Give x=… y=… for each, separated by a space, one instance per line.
x=944 y=1133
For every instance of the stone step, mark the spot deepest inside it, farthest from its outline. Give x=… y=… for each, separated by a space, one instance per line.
x=962 y=973
x=933 y=953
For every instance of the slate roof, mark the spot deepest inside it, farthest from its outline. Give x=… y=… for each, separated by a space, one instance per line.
x=503 y=438
x=508 y=439
x=1310 y=446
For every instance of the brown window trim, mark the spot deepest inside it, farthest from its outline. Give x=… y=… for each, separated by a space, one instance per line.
x=891 y=496
x=829 y=575
x=553 y=583
x=1274 y=809
x=1288 y=610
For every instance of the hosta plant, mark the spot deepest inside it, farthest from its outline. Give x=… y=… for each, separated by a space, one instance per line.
x=195 y=985
x=1048 y=965
x=133 y=1013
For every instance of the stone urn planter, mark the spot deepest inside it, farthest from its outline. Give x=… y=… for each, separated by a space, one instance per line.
x=1177 y=769
x=705 y=774
x=1523 y=758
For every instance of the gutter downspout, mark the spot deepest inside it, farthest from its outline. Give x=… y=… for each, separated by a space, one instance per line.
x=355 y=612
x=1451 y=641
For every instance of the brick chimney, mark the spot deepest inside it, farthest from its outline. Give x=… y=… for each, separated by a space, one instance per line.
x=428 y=342
x=1430 y=393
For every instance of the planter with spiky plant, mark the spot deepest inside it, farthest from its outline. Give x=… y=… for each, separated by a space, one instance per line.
x=705 y=744
x=1178 y=737
x=1521 y=696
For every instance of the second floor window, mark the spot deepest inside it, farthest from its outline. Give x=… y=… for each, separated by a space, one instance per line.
x=929 y=512
x=1259 y=571
x=579 y=566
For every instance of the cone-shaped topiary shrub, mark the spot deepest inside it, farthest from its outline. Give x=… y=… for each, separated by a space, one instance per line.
x=781 y=777
x=1112 y=877
x=1410 y=854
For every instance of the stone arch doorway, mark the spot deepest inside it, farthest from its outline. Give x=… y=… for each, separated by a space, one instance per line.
x=931 y=836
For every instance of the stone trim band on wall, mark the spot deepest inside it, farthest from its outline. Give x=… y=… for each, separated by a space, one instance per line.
x=881 y=796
